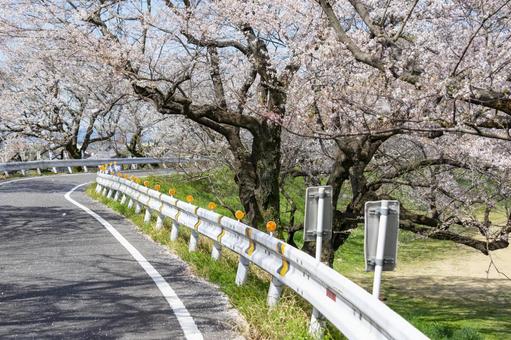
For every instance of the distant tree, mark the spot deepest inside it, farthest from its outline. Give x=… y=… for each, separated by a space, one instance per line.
x=54 y=95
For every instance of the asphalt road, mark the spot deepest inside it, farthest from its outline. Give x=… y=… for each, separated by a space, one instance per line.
x=64 y=276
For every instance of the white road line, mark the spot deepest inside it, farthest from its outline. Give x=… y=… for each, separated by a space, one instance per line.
x=186 y=321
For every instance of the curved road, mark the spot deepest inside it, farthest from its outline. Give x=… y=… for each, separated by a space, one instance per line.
x=64 y=275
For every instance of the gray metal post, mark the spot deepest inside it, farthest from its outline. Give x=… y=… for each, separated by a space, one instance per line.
x=274 y=292
x=174 y=231
x=147 y=216
x=242 y=273
x=216 y=250
x=194 y=240
x=316 y=327
x=159 y=221
x=380 y=247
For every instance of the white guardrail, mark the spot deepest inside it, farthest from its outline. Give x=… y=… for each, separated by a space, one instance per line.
x=55 y=164
x=355 y=312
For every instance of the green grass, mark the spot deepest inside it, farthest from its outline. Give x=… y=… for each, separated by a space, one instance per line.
x=412 y=249
x=288 y=320
x=438 y=316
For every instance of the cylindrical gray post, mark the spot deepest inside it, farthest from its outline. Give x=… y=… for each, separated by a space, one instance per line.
x=130 y=203
x=274 y=291
x=194 y=240
x=85 y=168
x=123 y=199
x=147 y=216
x=242 y=273
x=117 y=195
x=22 y=172
x=216 y=251
x=380 y=247
x=98 y=188
x=159 y=222
x=111 y=193
x=38 y=171
x=54 y=169
x=174 y=231
x=138 y=208
x=69 y=169
x=316 y=327
x=6 y=173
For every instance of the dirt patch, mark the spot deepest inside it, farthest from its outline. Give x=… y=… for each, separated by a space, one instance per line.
x=467 y=264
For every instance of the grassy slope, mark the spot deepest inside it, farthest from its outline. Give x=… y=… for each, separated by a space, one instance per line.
x=289 y=320
x=422 y=310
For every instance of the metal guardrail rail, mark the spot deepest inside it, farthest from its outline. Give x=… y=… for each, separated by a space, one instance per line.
x=84 y=163
x=355 y=312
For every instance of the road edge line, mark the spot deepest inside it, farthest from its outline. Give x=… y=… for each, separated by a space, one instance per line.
x=186 y=321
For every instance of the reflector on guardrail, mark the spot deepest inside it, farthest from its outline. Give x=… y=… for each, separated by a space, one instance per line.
x=355 y=312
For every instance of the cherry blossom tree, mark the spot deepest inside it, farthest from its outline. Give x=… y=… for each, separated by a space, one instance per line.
x=53 y=93
x=385 y=99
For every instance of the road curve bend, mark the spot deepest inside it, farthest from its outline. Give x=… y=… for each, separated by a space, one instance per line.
x=72 y=268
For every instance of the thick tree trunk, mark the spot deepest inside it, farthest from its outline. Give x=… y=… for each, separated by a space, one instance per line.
x=73 y=151
x=257 y=176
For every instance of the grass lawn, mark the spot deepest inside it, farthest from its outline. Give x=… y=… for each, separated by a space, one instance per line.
x=445 y=316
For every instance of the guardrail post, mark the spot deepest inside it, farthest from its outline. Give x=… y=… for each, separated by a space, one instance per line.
x=174 y=231
x=22 y=172
x=316 y=327
x=70 y=169
x=98 y=188
x=130 y=203
x=242 y=273
x=123 y=199
x=111 y=194
x=6 y=173
x=147 y=216
x=85 y=168
x=117 y=194
x=54 y=169
x=159 y=221
x=39 y=171
x=216 y=251
x=274 y=291
x=194 y=240
x=138 y=208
